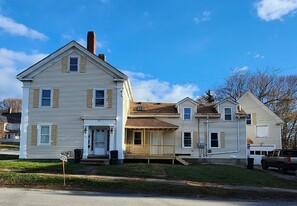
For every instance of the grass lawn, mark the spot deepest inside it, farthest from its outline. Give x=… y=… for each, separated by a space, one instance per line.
x=12 y=179
x=220 y=174
x=40 y=167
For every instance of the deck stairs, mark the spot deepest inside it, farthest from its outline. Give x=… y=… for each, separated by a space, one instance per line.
x=182 y=161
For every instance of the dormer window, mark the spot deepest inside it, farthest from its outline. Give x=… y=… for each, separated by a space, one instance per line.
x=73 y=64
x=228 y=114
x=187 y=114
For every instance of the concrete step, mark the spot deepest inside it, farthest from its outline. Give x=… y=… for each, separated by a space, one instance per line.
x=95 y=161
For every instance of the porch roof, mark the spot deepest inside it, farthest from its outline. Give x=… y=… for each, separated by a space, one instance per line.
x=148 y=123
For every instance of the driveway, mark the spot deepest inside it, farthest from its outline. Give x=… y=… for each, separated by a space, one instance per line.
x=289 y=175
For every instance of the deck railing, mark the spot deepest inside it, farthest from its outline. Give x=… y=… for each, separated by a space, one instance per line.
x=150 y=149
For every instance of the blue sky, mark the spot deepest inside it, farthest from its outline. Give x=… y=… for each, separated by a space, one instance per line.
x=170 y=49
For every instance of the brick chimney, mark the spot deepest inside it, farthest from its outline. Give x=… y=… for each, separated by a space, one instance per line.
x=102 y=57
x=91 y=42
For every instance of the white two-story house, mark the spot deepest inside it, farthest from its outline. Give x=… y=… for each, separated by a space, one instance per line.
x=73 y=99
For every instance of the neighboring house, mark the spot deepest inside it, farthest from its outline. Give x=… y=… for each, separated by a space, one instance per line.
x=207 y=133
x=263 y=127
x=73 y=99
x=10 y=126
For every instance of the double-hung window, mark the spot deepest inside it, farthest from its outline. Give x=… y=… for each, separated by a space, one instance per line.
x=187 y=114
x=137 y=140
x=187 y=140
x=44 y=135
x=99 y=97
x=73 y=64
x=228 y=114
x=214 y=140
x=46 y=97
x=249 y=119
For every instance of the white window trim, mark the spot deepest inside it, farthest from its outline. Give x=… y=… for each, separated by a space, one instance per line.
x=184 y=113
x=94 y=97
x=219 y=139
x=262 y=126
x=225 y=114
x=78 y=63
x=39 y=134
x=40 y=96
x=141 y=137
x=191 y=132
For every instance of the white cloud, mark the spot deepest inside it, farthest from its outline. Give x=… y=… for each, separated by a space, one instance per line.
x=11 y=63
x=240 y=69
x=269 y=10
x=205 y=16
x=255 y=55
x=259 y=56
x=14 y=28
x=146 y=88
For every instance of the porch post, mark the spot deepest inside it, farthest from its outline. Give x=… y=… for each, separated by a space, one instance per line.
x=85 y=146
x=111 y=140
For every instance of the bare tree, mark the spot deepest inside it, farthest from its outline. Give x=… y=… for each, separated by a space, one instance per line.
x=13 y=103
x=278 y=93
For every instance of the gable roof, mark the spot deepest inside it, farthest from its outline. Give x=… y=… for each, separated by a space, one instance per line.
x=187 y=99
x=153 y=108
x=257 y=101
x=226 y=100
x=29 y=73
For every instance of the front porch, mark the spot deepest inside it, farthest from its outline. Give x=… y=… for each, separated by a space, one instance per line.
x=99 y=139
x=149 y=138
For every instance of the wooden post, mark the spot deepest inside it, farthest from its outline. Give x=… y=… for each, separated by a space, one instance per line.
x=63 y=165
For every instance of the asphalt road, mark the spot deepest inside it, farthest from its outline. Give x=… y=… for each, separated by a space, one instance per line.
x=32 y=197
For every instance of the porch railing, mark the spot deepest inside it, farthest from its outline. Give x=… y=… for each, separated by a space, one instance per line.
x=150 y=149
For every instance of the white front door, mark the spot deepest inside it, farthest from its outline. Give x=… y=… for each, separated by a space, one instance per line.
x=100 y=142
x=156 y=143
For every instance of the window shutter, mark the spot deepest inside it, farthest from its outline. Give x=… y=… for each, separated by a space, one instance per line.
x=222 y=136
x=36 y=98
x=89 y=98
x=83 y=62
x=56 y=98
x=195 y=139
x=109 y=98
x=34 y=135
x=254 y=118
x=54 y=135
x=64 y=64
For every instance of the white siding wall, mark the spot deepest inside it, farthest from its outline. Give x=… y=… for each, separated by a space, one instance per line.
x=262 y=118
x=229 y=128
x=72 y=106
